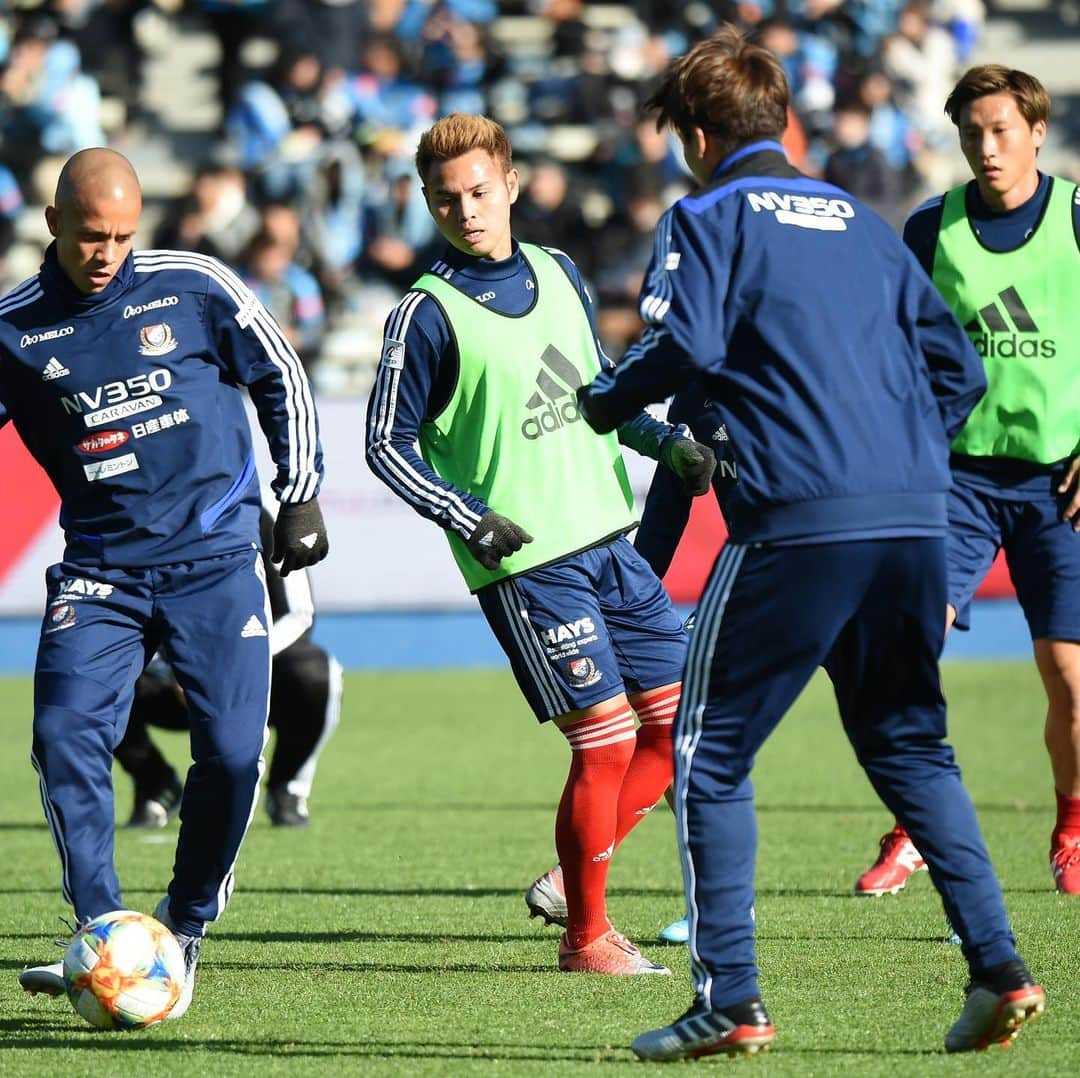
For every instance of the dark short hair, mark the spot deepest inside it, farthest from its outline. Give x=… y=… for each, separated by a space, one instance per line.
x=1030 y=95
x=728 y=87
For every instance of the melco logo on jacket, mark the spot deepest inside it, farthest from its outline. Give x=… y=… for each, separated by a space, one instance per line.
x=131 y=311
x=45 y=335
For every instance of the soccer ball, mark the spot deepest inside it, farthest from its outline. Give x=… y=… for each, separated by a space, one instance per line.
x=123 y=970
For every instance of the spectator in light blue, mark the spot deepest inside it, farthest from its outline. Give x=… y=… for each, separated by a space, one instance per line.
x=874 y=20
x=891 y=131
x=384 y=99
x=52 y=106
x=399 y=231
x=333 y=219
x=810 y=64
x=416 y=15
x=288 y=292
x=276 y=126
x=457 y=63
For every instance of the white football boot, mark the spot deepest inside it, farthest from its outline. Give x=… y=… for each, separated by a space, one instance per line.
x=190 y=946
x=49 y=980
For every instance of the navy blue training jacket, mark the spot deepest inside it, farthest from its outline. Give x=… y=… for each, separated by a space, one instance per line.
x=131 y=399
x=841 y=373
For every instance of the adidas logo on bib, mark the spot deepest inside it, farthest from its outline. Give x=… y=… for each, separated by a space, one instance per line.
x=554 y=404
x=998 y=341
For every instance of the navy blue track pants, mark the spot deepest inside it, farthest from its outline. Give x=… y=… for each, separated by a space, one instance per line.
x=100 y=627
x=872 y=613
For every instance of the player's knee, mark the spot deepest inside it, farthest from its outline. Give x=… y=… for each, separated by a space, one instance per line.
x=73 y=709
x=50 y=725
x=1059 y=665
x=238 y=767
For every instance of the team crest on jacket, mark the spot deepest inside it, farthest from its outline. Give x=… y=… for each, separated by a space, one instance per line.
x=156 y=340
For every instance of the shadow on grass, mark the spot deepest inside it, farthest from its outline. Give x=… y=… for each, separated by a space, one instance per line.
x=876 y=808
x=386 y=967
x=858 y=937
x=87 y=1039
x=485 y=807
x=16 y=825
x=389 y=936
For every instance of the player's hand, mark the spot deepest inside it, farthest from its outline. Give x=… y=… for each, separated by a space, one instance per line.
x=299 y=536
x=1070 y=487
x=693 y=462
x=602 y=424
x=496 y=538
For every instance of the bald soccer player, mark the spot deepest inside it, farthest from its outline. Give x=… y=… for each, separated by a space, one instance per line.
x=125 y=375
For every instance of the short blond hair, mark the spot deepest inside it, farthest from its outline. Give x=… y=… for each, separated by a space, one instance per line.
x=457 y=134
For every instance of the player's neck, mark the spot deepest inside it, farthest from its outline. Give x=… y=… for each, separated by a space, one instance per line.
x=1015 y=197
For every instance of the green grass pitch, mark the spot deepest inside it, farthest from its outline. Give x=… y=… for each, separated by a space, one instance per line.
x=391 y=936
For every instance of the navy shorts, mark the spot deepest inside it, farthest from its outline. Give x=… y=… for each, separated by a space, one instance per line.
x=1041 y=550
x=586 y=628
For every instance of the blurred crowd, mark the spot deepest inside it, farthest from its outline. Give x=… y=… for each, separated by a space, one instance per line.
x=307 y=186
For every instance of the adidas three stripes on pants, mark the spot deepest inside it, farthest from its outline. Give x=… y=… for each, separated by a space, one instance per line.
x=100 y=628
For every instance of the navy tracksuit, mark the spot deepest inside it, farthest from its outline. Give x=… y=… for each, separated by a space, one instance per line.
x=841 y=376
x=131 y=399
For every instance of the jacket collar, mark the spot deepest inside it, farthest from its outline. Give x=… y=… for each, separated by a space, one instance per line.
x=57 y=284
x=743 y=153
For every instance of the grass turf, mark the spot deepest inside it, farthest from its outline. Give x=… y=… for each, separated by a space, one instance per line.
x=391 y=938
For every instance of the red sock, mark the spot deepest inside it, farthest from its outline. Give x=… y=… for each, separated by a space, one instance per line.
x=653 y=765
x=1068 y=816
x=585 y=825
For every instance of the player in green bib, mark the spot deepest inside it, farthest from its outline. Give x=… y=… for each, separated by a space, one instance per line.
x=1004 y=250
x=473 y=421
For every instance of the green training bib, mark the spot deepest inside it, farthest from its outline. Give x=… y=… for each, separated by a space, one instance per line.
x=1021 y=310
x=512 y=435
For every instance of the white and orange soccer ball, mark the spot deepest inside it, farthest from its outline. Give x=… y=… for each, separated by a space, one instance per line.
x=123 y=970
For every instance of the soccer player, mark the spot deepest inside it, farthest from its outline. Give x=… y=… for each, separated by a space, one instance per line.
x=841 y=390
x=480 y=364
x=124 y=375
x=305 y=706
x=1003 y=251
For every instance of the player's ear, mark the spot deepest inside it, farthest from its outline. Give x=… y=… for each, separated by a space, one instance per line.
x=1038 y=133
x=52 y=220
x=700 y=141
x=513 y=185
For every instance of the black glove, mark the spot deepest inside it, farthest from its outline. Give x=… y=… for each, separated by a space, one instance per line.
x=602 y=424
x=495 y=538
x=299 y=536
x=693 y=462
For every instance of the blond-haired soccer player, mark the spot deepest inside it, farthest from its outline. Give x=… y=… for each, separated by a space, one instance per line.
x=480 y=364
